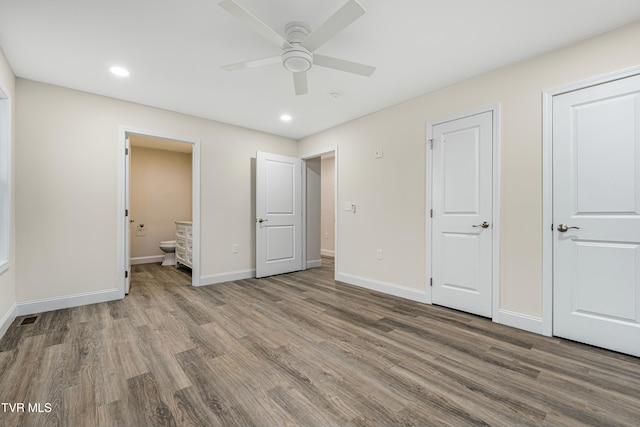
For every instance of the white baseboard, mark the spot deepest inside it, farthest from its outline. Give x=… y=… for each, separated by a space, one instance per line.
x=226 y=277
x=147 y=259
x=387 y=288
x=7 y=320
x=327 y=252
x=505 y=317
x=520 y=321
x=314 y=263
x=67 y=301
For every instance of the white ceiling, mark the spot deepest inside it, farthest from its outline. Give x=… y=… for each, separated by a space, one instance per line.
x=174 y=51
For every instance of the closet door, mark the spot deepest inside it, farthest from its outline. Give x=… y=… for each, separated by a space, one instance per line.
x=596 y=215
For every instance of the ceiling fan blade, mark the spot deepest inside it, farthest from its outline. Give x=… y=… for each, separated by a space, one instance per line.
x=300 y=83
x=253 y=63
x=343 y=65
x=254 y=23
x=348 y=13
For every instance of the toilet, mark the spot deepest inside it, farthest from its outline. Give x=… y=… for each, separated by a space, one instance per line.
x=169 y=248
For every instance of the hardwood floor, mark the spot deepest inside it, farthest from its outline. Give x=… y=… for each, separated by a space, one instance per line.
x=299 y=350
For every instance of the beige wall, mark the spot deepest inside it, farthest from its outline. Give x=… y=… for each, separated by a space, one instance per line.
x=328 y=205
x=390 y=192
x=7 y=278
x=161 y=183
x=67 y=188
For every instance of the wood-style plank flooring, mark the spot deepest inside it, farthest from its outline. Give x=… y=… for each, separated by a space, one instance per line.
x=299 y=350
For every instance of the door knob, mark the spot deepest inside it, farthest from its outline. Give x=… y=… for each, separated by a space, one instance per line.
x=262 y=220
x=484 y=224
x=563 y=228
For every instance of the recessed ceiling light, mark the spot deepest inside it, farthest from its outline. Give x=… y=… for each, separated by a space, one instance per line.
x=285 y=118
x=119 y=71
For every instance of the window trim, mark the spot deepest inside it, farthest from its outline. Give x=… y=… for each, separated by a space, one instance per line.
x=5 y=175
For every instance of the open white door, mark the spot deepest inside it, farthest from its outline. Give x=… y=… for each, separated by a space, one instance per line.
x=127 y=204
x=278 y=214
x=462 y=217
x=596 y=215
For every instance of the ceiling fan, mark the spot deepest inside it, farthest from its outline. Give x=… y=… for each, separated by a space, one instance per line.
x=297 y=48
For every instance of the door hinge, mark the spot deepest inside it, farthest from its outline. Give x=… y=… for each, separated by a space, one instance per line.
x=431 y=281
x=126 y=274
x=431 y=213
x=126 y=151
x=126 y=212
x=431 y=143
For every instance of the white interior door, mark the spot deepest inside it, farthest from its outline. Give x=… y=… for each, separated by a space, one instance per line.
x=462 y=242
x=278 y=214
x=127 y=207
x=596 y=215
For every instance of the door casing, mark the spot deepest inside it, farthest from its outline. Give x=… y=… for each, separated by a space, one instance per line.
x=547 y=183
x=495 y=221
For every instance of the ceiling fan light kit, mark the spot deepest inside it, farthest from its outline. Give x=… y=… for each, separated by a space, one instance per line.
x=297 y=59
x=297 y=49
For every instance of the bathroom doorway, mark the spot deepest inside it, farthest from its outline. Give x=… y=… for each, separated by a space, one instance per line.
x=161 y=187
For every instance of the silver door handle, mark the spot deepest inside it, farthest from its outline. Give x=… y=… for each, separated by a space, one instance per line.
x=484 y=224
x=563 y=228
x=261 y=220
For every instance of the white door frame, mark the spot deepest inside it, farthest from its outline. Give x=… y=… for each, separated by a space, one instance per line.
x=127 y=219
x=305 y=157
x=123 y=170
x=547 y=183
x=495 y=221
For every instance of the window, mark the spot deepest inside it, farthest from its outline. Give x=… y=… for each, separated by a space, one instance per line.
x=5 y=182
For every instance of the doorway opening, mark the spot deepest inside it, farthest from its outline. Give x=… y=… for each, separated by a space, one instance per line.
x=160 y=186
x=321 y=202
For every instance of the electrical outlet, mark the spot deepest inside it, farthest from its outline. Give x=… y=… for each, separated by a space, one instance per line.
x=377 y=154
x=235 y=248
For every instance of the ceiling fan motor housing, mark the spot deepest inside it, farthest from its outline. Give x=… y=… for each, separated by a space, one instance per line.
x=296 y=58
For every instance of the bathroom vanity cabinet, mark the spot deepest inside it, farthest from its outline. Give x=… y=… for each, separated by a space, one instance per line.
x=184 y=243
